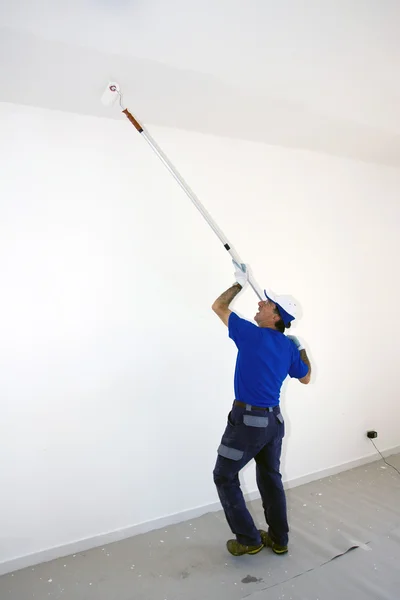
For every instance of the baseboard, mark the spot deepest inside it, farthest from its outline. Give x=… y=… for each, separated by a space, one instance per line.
x=330 y=471
x=104 y=539
x=30 y=560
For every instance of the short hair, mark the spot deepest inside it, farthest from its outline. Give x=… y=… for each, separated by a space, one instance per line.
x=280 y=325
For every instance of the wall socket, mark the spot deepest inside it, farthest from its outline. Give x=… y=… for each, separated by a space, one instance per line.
x=372 y=434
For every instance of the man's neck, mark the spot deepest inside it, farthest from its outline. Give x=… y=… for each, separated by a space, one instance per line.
x=267 y=325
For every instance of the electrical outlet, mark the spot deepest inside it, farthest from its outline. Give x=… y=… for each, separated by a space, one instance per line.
x=372 y=434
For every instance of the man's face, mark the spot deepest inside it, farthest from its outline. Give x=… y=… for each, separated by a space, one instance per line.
x=266 y=315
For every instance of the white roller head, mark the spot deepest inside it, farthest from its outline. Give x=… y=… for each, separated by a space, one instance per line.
x=111 y=94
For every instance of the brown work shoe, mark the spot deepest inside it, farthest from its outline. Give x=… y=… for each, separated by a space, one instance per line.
x=238 y=549
x=269 y=543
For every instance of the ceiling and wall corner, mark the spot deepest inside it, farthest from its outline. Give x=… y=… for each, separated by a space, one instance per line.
x=287 y=74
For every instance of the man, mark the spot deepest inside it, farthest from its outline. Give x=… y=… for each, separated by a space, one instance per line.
x=255 y=427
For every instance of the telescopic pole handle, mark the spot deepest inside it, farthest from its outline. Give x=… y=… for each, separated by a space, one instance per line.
x=191 y=195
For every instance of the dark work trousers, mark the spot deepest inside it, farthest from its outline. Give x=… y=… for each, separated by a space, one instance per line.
x=252 y=434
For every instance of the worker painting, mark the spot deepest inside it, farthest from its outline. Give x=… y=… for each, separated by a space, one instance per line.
x=255 y=427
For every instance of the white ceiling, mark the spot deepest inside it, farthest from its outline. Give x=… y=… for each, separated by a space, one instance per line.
x=315 y=74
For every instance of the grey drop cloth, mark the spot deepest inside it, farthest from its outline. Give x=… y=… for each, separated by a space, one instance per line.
x=344 y=544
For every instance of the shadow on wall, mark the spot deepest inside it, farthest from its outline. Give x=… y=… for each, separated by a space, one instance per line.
x=176 y=98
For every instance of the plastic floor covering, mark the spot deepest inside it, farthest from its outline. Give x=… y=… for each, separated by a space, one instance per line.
x=344 y=544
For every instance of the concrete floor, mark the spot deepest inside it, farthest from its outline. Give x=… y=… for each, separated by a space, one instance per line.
x=345 y=544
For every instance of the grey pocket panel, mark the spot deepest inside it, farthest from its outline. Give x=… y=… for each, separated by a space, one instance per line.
x=280 y=418
x=254 y=421
x=231 y=453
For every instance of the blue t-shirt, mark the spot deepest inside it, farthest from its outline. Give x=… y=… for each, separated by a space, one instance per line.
x=265 y=358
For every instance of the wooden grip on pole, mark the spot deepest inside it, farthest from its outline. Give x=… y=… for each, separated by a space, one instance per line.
x=132 y=119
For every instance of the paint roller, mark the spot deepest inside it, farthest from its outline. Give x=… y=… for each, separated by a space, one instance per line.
x=113 y=93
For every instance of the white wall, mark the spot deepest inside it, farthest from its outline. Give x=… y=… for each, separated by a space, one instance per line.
x=116 y=377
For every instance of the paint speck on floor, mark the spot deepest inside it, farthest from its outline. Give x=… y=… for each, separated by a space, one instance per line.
x=185 y=574
x=251 y=579
x=49 y=580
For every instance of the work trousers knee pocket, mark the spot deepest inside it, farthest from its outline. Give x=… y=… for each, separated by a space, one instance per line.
x=229 y=452
x=228 y=464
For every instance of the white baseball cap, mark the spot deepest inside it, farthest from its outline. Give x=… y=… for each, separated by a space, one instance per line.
x=286 y=306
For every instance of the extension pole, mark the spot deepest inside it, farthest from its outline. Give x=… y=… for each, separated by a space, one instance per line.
x=114 y=89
